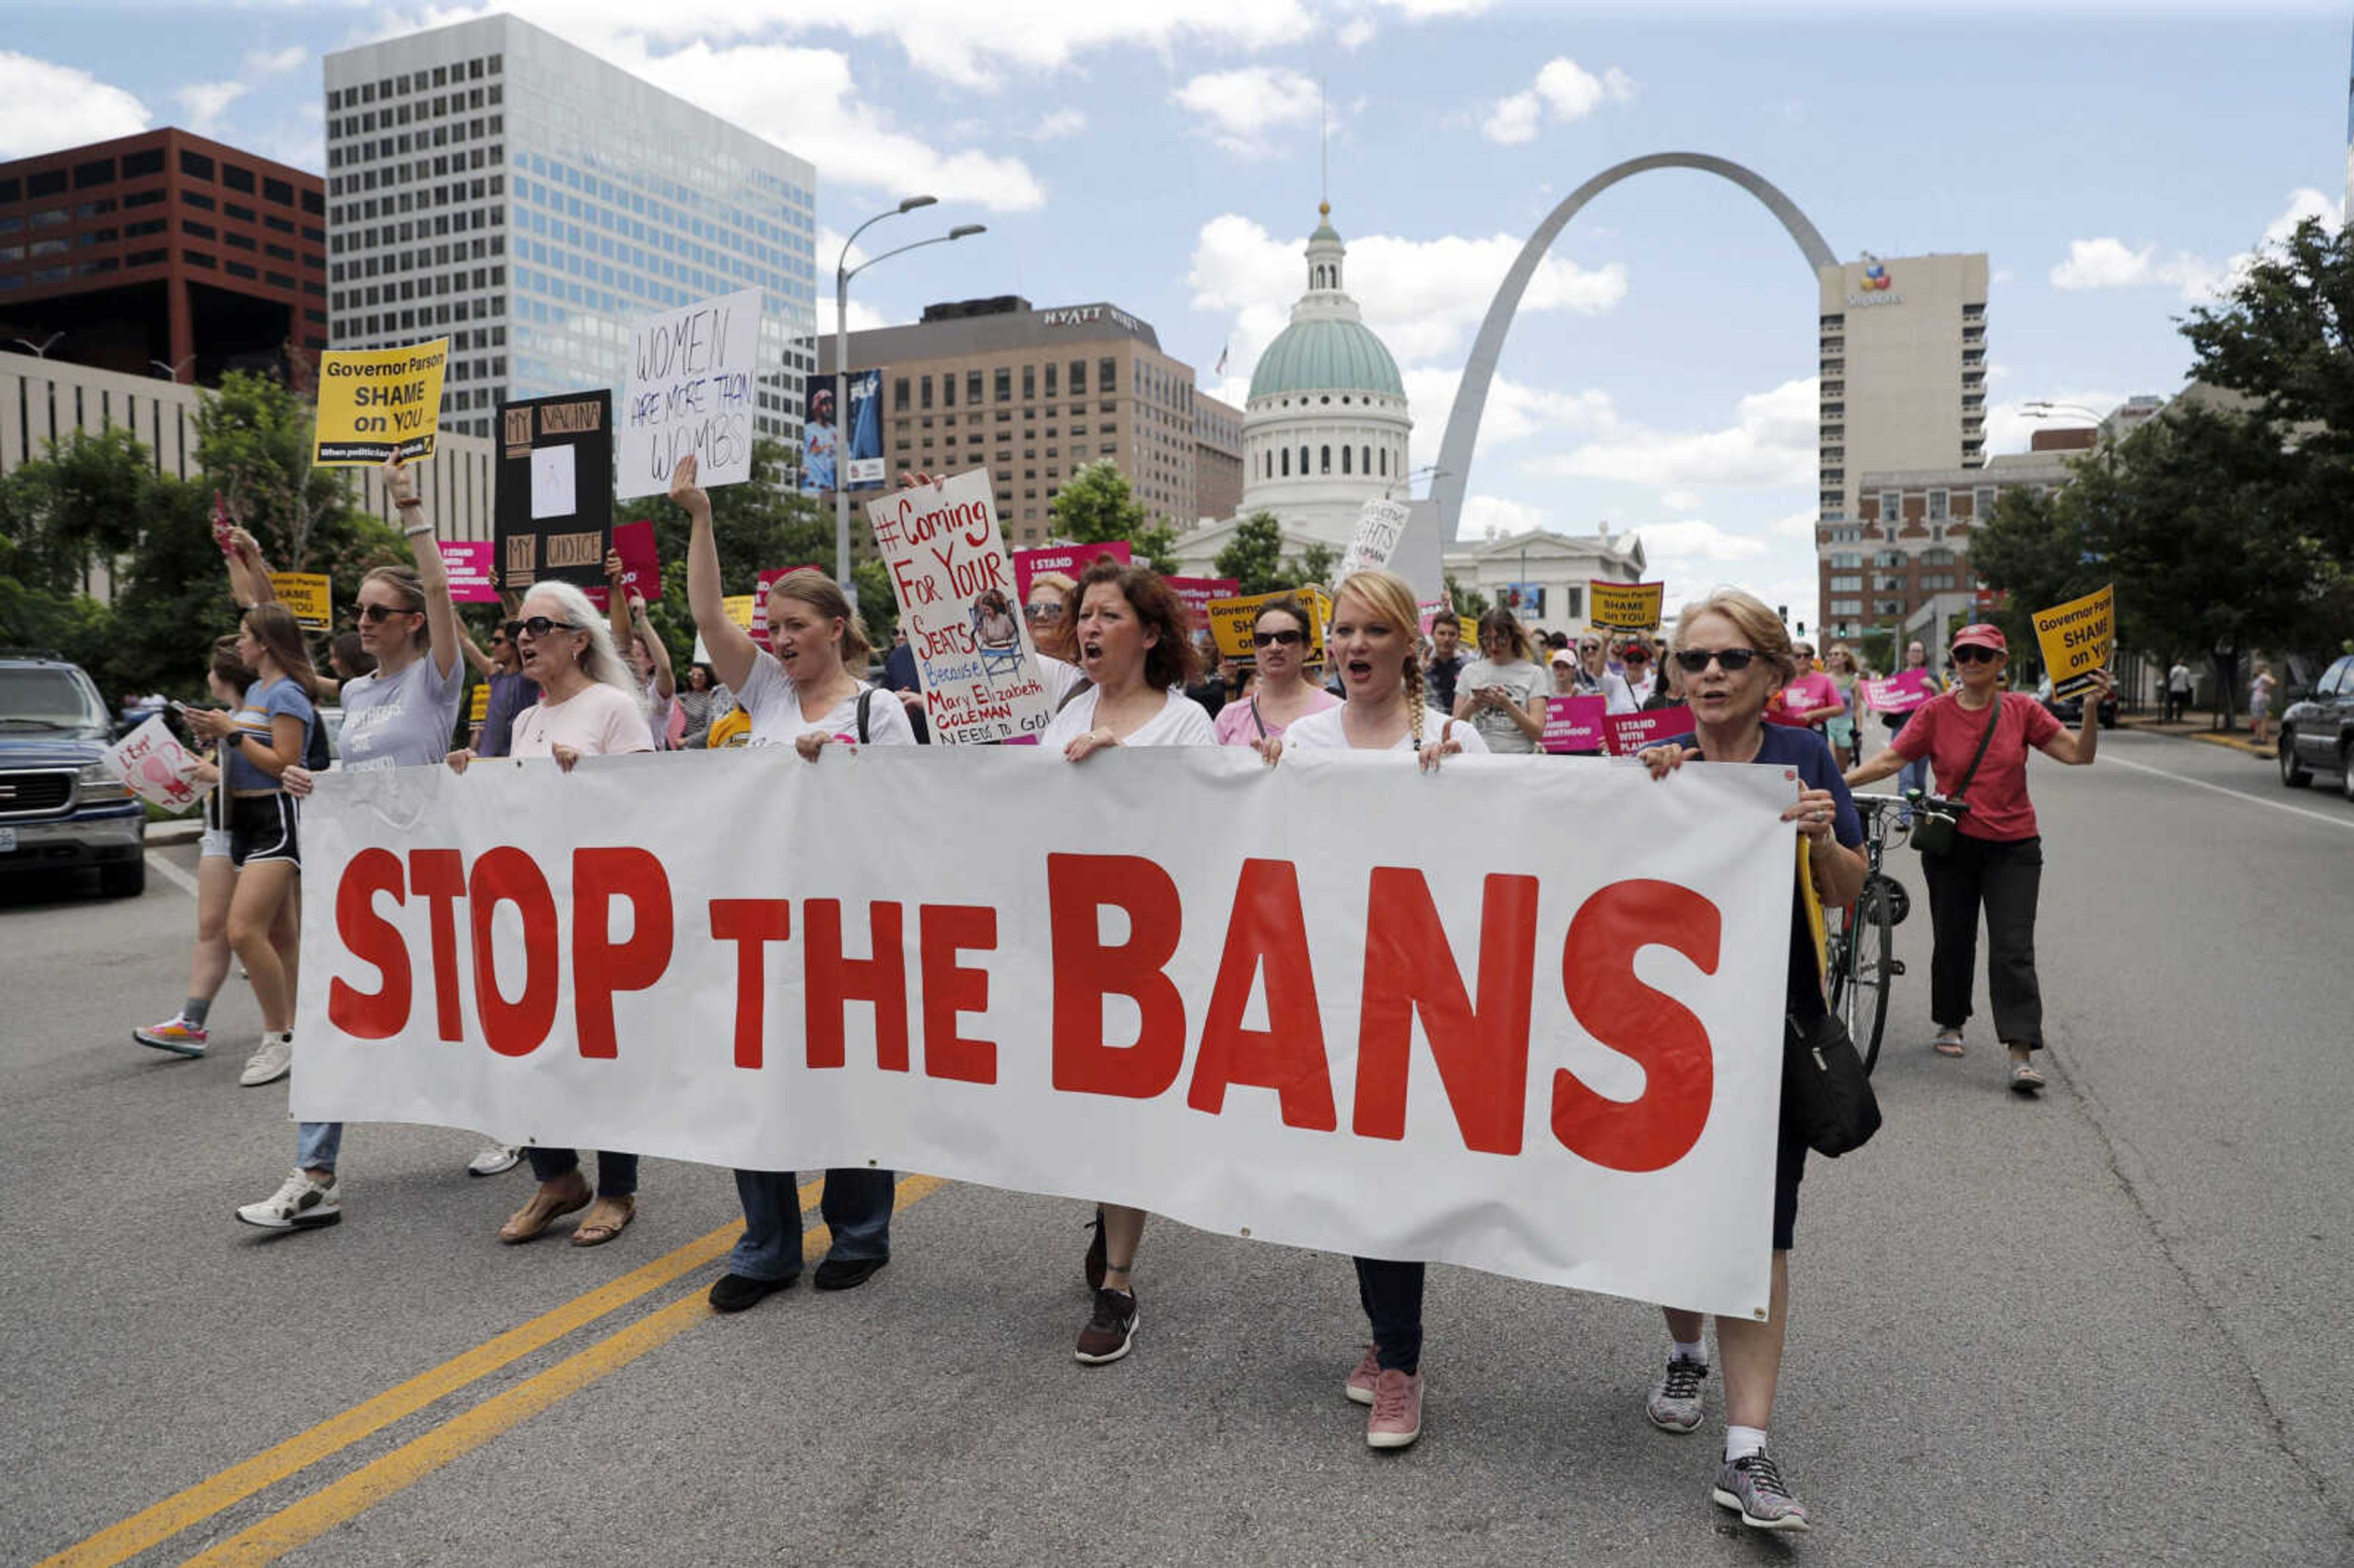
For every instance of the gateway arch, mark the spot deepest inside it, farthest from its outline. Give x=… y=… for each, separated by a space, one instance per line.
x=1449 y=483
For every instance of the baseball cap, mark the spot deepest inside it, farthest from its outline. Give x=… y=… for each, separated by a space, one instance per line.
x=1563 y=656
x=1981 y=635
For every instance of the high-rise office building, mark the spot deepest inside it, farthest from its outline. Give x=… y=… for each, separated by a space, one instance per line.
x=489 y=181
x=164 y=252
x=1903 y=389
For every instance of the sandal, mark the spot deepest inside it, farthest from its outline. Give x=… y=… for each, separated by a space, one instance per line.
x=1948 y=1042
x=531 y=1222
x=596 y=1231
x=2024 y=1078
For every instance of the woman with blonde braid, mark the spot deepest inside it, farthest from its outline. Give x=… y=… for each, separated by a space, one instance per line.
x=1373 y=646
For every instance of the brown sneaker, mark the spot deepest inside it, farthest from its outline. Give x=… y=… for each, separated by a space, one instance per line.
x=1112 y=1330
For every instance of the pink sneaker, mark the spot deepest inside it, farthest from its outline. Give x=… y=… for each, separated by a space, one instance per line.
x=1360 y=1386
x=1397 y=1410
x=175 y=1035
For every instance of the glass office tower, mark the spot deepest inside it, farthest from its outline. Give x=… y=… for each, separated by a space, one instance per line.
x=490 y=181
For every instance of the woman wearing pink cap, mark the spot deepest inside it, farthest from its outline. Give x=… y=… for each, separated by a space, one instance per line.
x=1977 y=737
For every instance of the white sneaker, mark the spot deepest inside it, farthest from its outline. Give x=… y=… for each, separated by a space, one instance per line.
x=270 y=1063
x=297 y=1205
x=497 y=1158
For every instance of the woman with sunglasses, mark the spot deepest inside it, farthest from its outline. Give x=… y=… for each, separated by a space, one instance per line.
x=1138 y=659
x=1052 y=611
x=1977 y=736
x=1812 y=699
x=1840 y=727
x=1501 y=694
x=1594 y=677
x=402 y=713
x=1283 y=694
x=1639 y=669
x=1734 y=655
x=588 y=707
x=800 y=691
x=1372 y=643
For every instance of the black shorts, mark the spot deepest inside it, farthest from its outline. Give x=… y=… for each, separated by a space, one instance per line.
x=261 y=827
x=1789 y=1167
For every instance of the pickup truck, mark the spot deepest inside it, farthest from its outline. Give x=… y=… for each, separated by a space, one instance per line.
x=60 y=807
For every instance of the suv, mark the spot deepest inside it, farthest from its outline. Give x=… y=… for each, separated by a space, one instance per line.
x=2070 y=711
x=59 y=806
x=2318 y=730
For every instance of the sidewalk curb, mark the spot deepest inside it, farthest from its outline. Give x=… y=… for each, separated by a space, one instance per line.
x=2184 y=732
x=186 y=833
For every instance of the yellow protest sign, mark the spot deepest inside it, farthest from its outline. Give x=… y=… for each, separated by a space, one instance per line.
x=2078 y=638
x=1625 y=607
x=309 y=595
x=1231 y=620
x=374 y=402
x=478 y=707
x=1469 y=625
x=739 y=608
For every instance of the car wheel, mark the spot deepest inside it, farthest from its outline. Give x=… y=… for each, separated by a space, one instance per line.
x=2293 y=777
x=125 y=879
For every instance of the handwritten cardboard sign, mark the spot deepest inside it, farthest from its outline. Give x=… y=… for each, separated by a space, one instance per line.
x=472 y=565
x=1625 y=607
x=1627 y=733
x=309 y=595
x=1231 y=621
x=374 y=402
x=553 y=507
x=1071 y=560
x=1199 y=593
x=954 y=580
x=1380 y=525
x=1574 y=724
x=691 y=390
x=2078 y=639
x=155 y=767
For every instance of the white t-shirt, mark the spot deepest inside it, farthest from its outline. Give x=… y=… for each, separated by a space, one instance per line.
x=1058 y=679
x=595 y=721
x=1181 y=721
x=774 y=704
x=1326 y=731
x=1521 y=679
x=403 y=720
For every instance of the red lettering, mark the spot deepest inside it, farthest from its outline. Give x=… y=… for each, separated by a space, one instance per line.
x=1266 y=930
x=1660 y=1126
x=439 y=876
x=371 y=939
x=831 y=981
x=1086 y=971
x=599 y=965
x=949 y=989
x=751 y=923
x=509 y=875
x=1483 y=1055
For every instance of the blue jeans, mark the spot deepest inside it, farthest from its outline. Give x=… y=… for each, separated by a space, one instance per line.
x=856 y=1207
x=617 y=1174
x=316 y=1144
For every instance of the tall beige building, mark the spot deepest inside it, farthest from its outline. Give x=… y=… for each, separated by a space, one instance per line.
x=1904 y=388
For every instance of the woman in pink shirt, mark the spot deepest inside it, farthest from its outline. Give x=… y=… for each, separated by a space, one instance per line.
x=1279 y=640
x=1812 y=699
x=588 y=707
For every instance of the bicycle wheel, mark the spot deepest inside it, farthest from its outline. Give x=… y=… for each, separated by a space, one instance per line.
x=1870 y=936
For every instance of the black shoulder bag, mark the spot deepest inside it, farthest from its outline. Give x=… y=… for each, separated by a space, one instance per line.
x=865 y=697
x=1934 y=828
x=1826 y=1096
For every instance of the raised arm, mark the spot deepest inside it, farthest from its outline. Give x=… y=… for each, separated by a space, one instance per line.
x=249 y=573
x=617 y=604
x=732 y=650
x=432 y=571
x=2077 y=749
x=657 y=651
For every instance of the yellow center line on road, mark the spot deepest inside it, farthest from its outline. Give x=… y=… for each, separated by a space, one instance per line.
x=120 y=1542
x=304 y=1521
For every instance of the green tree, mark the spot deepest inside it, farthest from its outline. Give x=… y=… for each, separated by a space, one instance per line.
x=757 y=526
x=1467 y=601
x=1098 y=506
x=1315 y=563
x=1253 y=555
x=2284 y=337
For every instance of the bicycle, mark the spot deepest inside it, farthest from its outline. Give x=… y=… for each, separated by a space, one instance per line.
x=1861 y=960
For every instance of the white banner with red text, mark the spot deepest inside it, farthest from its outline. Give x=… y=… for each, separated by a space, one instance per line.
x=1336 y=1003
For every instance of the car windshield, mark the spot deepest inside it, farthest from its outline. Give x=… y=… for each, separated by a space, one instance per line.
x=47 y=699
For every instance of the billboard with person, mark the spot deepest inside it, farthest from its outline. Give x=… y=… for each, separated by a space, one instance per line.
x=845 y=450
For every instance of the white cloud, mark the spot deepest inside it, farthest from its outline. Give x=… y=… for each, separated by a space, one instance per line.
x=1563 y=91
x=1239 y=107
x=45 y=106
x=2010 y=428
x=1493 y=517
x=1680 y=501
x=1421 y=296
x=204 y=103
x=1772 y=442
x=2109 y=262
x=272 y=62
x=1699 y=540
x=1797 y=526
x=864 y=317
x=1062 y=123
x=1422 y=9
x=1513 y=410
x=1356 y=34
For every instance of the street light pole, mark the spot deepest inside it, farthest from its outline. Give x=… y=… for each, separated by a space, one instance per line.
x=41 y=349
x=842 y=274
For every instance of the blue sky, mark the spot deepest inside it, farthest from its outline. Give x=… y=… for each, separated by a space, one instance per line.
x=2111 y=159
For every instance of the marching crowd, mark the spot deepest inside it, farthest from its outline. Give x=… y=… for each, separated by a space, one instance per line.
x=1123 y=668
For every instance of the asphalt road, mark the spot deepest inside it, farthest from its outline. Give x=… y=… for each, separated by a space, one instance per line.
x=2109 y=1326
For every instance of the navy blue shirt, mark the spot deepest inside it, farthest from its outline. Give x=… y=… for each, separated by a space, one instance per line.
x=1810 y=754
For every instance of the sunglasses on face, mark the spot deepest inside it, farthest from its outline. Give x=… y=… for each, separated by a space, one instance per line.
x=1287 y=636
x=1043 y=612
x=1975 y=655
x=539 y=626
x=377 y=614
x=1693 y=661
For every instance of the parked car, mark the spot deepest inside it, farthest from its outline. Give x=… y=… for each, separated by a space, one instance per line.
x=60 y=807
x=2317 y=730
x=2070 y=711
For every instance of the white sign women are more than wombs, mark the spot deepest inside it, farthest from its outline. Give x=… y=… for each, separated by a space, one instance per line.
x=691 y=390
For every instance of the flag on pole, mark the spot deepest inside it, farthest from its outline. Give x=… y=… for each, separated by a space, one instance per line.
x=1220 y=367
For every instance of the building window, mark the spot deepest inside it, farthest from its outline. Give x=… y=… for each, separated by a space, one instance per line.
x=1982 y=500
x=1287 y=462
x=1326 y=467
x=1891 y=505
x=898 y=393
x=1385 y=462
x=924 y=392
x=196 y=165
x=1937 y=506
x=1029 y=383
x=1344 y=459
x=1106 y=379
x=973 y=386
